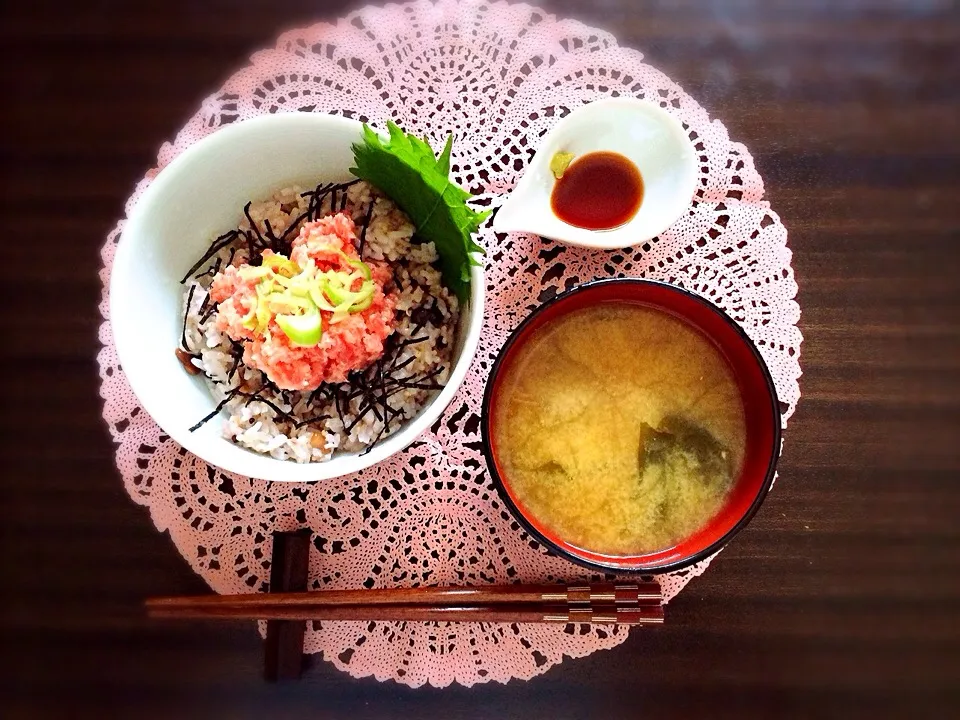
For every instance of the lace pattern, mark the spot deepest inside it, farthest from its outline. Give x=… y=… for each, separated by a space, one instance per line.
x=498 y=76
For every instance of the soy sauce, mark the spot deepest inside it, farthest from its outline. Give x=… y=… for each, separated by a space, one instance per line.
x=598 y=191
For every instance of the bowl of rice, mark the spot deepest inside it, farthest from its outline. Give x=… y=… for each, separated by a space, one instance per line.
x=281 y=318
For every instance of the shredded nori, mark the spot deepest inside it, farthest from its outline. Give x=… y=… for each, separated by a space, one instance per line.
x=210 y=271
x=311 y=420
x=220 y=406
x=316 y=199
x=205 y=309
x=375 y=385
x=236 y=351
x=260 y=398
x=256 y=241
x=253 y=226
x=375 y=441
x=366 y=224
x=219 y=244
x=253 y=257
x=186 y=314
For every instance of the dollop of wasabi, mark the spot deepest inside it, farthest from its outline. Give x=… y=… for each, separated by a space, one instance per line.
x=560 y=162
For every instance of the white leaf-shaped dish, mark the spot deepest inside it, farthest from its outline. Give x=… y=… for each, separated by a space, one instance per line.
x=642 y=131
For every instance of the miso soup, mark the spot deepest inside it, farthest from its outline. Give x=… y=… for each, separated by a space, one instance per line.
x=619 y=428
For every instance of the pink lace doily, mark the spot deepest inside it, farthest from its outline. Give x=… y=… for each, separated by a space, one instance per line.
x=497 y=76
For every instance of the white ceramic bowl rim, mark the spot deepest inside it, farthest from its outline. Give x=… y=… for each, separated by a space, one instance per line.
x=145 y=296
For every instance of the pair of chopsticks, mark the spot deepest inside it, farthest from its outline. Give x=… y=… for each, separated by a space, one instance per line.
x=604 y=603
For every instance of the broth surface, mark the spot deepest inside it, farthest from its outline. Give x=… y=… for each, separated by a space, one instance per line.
x=619 y=428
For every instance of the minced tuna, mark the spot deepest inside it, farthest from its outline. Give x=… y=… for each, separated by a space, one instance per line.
x=347 y=344
x=367 y=373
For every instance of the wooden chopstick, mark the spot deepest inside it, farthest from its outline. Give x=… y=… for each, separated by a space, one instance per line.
x=625 y=603
x=645 y=615
x=599 y=593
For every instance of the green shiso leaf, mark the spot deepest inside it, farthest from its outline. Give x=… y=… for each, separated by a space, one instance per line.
x=406 y=169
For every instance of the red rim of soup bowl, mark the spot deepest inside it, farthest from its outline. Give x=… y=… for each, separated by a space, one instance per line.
x=761 y=410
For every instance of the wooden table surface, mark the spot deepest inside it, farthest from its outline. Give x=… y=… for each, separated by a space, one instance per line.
x=841 y=597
